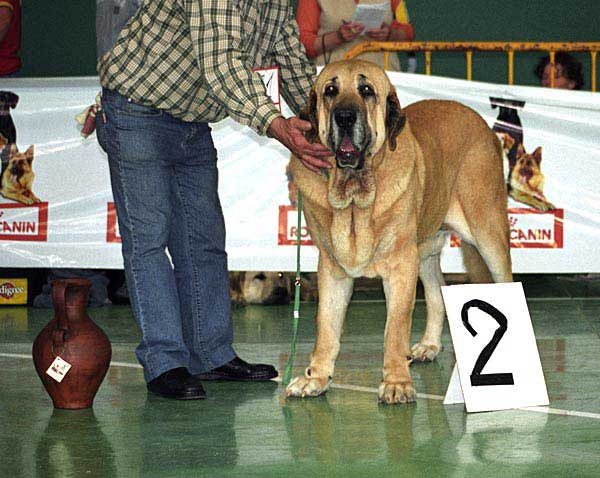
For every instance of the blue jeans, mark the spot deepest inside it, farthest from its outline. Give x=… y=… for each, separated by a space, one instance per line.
x=164 y=180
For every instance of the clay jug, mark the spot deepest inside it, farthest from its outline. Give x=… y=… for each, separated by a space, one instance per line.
x=76 y=339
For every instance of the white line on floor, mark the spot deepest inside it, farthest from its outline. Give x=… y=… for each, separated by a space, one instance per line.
x=529 y=299
x=358 y=388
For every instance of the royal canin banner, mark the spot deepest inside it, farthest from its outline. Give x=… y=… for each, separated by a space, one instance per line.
x=61 y=212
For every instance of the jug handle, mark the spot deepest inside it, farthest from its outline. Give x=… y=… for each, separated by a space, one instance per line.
x=59 y=335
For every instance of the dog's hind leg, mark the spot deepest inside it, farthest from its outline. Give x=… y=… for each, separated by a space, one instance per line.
x=491 y=238
x=335 y=291
x=496 y=253
x=478 y=271
x=480 y=212
x=430 y=273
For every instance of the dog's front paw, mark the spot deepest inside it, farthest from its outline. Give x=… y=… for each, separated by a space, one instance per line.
x=307 y=387
x=397 y=392
x=542 y=206
x=422 y=352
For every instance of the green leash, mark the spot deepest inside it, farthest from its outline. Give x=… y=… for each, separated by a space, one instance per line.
x=287 y=374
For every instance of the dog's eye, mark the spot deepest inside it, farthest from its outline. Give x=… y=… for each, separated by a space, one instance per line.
x=260 y=276
x=330 y=90
x=366 y=90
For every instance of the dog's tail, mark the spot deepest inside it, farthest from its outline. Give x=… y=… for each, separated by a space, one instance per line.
x=478 y=271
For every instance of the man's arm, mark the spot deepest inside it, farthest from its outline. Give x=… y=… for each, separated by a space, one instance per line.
x=297 y=71
x=216 y=36
x=6 y=12
x=217 y=39
x=297 y=76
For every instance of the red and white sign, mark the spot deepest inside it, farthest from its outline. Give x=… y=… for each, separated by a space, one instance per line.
x=112 y=225
x=19 y=222
x=288 y=228
x=535 y=229
x=532 y=229
x=528 y=228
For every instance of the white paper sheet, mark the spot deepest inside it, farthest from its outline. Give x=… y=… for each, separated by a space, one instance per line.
x=371 y=16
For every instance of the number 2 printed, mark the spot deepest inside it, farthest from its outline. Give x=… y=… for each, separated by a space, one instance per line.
x=478 y=378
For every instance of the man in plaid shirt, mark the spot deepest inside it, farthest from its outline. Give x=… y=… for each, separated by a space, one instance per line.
x=176 y=66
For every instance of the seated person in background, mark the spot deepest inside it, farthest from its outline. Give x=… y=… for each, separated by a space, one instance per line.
x=327 y=32
x=568 y=73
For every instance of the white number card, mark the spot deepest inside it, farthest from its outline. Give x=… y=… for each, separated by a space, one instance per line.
x=270 y=77
x=497 y=362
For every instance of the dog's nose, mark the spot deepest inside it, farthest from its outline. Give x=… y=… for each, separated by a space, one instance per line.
x=345 y=117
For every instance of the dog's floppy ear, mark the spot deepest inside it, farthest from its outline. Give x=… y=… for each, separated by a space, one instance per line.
x=13 y=100
x=395 y=118
x=309 y=113
x=9 y=99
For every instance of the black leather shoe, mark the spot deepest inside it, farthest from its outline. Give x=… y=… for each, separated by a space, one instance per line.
x=238 y=370
x=177 y=383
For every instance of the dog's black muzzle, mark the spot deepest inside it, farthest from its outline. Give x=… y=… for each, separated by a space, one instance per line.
x=344 y=134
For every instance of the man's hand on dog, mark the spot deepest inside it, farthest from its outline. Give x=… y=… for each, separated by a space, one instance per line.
x=290 y=133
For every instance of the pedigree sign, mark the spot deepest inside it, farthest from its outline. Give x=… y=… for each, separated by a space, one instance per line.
x=19 y=222
x=13 y=291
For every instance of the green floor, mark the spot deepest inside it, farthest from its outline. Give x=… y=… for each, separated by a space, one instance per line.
x=251 y=430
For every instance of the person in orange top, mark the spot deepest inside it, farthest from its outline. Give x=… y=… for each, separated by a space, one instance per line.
x=10 y=36
x=327 y=32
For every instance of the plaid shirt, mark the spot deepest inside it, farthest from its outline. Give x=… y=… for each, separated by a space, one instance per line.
x=194 y=59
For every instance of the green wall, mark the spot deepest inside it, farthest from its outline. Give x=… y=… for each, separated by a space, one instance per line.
x=58 y=35
x=510 y=20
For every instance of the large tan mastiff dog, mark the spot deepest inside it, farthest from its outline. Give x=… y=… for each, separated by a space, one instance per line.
x=403 y=180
